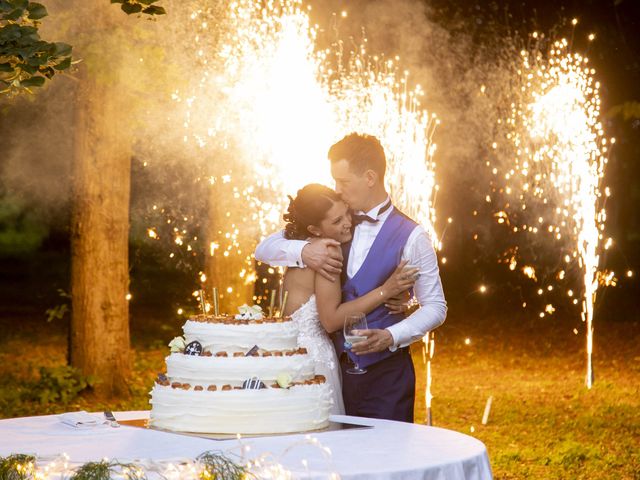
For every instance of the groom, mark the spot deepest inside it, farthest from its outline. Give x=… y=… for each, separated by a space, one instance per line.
x=382 y=237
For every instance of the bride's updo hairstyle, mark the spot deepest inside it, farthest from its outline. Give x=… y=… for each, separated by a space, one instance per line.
x=310 y=206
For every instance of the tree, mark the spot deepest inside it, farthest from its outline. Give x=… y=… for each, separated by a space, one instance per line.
x=103 y=137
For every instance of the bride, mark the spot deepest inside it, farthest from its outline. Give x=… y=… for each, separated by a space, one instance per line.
x=314 y=302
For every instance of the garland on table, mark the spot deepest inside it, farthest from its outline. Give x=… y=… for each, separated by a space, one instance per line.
x=17 y=467
x=210 y=465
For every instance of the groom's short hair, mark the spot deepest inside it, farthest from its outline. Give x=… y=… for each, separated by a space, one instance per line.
x=363 y=152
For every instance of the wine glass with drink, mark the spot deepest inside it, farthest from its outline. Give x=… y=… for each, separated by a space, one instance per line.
x=353 y=325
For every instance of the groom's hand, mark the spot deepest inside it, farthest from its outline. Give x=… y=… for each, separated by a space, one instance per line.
x=377 y=341
x=324 y=256
x=399 y=303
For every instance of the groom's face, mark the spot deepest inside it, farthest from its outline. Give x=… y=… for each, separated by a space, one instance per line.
x=354 y=188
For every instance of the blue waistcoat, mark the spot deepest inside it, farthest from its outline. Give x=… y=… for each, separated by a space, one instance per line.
x=383 y=258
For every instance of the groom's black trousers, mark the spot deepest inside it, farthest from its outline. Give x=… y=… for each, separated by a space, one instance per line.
x=385 y=391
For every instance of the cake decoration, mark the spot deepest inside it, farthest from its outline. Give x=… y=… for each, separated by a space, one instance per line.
x=252 y=352
x=249 y=312
x=253 y=383
x=194 y=348
x=177 y=344
x=284 y=380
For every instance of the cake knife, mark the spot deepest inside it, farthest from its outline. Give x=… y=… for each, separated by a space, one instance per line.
x=112 y=420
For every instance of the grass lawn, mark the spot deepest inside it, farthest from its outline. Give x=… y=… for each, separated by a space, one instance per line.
x=543 y=423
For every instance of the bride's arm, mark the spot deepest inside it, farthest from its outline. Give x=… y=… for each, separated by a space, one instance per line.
x=329 y=296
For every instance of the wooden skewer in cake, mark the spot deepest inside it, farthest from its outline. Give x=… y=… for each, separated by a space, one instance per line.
x=216 y=305
x=272 y=302
x=203 y=306
x=284 y=303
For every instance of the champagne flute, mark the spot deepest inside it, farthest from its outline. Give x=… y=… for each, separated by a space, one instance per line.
x=353 y=324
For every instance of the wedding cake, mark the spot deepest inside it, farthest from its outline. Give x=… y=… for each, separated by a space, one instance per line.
x=239 y=374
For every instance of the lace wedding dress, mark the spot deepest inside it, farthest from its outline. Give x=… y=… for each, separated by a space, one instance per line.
x=316 y=340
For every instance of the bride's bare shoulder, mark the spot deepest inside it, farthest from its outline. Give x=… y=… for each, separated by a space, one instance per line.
x=296 y=274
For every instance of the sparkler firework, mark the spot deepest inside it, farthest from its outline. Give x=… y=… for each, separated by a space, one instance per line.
x=554 y=185
x=283 y=103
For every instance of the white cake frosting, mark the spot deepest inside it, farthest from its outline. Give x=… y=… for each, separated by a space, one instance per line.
x=235 y=370
x=204 y=393
x=297 y=409
x=216 y=337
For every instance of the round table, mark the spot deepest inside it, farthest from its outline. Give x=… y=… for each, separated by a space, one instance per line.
x=389 y=450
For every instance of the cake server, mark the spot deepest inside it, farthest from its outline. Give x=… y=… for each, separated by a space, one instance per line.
x=112 y=420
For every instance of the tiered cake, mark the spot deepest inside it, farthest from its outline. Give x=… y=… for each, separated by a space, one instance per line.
x=243 y=374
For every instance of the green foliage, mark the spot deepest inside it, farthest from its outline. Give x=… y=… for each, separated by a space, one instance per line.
x=144 y=7
x=216 y=465
x=57 y=312
x=106 y=470
x=26 y=61
x=13 y=467
x=93 y=471
x=21 y=228
x=59 y=384
x=572 y=454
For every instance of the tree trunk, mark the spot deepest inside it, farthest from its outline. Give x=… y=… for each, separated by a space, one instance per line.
x=229 y=265
x=100 y=235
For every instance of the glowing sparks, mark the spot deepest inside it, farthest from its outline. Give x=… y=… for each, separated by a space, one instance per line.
x=530 y=272
x=284 y=103
x=559 y=161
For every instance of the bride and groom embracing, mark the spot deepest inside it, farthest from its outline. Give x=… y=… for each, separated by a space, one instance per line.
x=351 y=251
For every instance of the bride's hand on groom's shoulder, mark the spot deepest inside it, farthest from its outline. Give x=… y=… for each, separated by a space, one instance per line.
x=324 y=256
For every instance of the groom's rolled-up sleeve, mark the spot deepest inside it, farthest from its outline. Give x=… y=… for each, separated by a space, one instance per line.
x=278 y=251
x=420 y=253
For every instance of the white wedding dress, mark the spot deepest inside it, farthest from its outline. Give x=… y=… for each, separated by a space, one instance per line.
x=315 y=339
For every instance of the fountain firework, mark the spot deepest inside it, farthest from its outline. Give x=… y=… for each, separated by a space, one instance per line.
x=559 y=154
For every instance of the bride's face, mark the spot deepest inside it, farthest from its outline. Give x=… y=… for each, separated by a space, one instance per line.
x=336 y=223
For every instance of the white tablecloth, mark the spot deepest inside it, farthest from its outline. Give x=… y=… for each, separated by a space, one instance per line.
x=390 y=450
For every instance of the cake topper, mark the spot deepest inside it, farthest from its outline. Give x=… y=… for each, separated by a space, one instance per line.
x=193 y=348
x=249 y=313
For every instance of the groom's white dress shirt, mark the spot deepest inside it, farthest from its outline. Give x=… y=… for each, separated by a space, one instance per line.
x=278 y=251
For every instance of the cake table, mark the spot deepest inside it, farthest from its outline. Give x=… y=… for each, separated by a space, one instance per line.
x=389 y=450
